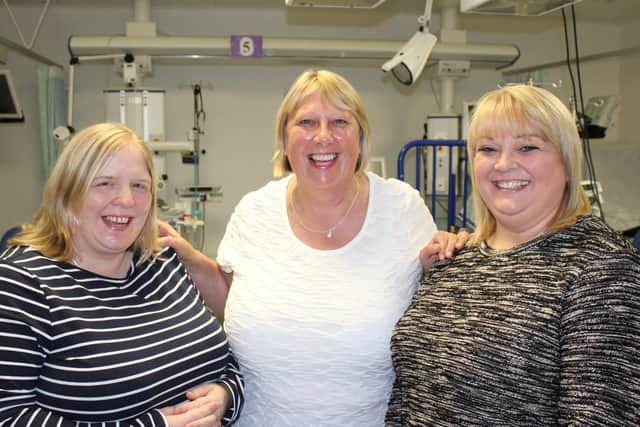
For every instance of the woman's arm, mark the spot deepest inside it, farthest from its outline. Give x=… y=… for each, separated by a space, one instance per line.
x=212 y=282
x=600 y=345
x=20 y=363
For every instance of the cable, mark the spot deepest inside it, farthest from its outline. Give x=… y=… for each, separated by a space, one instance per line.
x=574 y=104
x=578 y=106
x=435 y=95
x=587 y=142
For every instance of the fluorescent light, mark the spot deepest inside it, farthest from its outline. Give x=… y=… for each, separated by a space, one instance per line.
x=356 y=4
x=514 y=7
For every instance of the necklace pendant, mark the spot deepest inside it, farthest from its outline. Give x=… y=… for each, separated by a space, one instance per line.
x=328 y=233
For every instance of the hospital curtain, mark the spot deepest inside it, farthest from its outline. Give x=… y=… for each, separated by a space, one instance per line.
x=52 y=103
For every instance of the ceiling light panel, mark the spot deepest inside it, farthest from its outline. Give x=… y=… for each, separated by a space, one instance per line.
x=356 y=4
x=514 y=7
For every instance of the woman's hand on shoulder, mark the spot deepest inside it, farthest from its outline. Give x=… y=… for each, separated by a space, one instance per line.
x=170 y=237
x=442 y=246
x=206 y=407
x=212 y=282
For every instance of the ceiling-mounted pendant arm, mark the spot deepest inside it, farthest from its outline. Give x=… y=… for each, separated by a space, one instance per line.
x=425 y=20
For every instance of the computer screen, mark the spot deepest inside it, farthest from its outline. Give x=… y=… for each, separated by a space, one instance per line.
x=10 y=110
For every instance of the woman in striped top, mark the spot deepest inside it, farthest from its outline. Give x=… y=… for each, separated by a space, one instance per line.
x=537 y=321
x=98 y=325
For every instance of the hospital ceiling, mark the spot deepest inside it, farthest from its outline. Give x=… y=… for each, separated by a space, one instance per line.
x=604 y=11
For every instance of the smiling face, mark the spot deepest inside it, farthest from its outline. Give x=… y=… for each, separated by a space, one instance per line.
x=322 y=142
x=115 y=207
x=521 y=178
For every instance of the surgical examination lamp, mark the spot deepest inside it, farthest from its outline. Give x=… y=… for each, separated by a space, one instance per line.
x=408 y=63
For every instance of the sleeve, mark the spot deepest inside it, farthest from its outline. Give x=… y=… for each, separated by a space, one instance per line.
x=255 y=217
x=232 y=380
x=393 y=417
x=600 y=344
x=412 y=215
x=232 y=238
x=420 y=223
x=24 y=331
x=24 y=326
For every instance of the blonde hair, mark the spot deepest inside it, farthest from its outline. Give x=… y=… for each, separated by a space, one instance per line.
x=335 y=89
x=509 y=110
x=65 y=190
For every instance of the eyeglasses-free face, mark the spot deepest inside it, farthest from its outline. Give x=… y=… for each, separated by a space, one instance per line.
x=521 y=178
x=322 y=142
x=115 y=208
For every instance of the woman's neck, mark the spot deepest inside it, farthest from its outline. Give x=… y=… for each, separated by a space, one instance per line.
x=115 y=266
x=512 y=231
x=324 y=200
x=506 y=237
x=328 y=219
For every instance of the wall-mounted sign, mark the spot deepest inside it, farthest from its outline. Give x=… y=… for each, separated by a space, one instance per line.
x=245 y=46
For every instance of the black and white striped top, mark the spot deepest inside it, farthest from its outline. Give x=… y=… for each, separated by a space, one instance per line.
x=77 y=348
x=547 y=333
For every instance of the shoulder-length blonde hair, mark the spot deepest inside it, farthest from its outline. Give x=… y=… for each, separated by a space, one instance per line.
x=510 y=110
x=65 y=190
x=340 y=93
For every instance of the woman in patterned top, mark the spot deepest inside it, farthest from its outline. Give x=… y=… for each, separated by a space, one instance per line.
x=98 y=325
x=537 y=321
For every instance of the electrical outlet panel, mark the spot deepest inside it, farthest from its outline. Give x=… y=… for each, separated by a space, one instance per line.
x=450 y=68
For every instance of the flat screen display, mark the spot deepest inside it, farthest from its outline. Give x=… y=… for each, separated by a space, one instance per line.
x=10 y=110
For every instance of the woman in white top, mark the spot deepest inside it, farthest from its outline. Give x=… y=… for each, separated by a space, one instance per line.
x=323 y=261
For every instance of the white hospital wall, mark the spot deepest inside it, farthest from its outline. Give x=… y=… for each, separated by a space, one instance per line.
x=21 y=173
x=240 y=100
x=630 y=78
x=618 y=160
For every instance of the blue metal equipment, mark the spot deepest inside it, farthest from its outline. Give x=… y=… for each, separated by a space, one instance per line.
x=451 y=195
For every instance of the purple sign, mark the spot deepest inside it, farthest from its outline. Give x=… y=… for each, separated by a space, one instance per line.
x=246 y=46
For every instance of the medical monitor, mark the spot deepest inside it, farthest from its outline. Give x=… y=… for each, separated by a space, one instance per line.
x=10 y=109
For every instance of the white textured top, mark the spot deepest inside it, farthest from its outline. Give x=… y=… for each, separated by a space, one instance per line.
x=311 y=328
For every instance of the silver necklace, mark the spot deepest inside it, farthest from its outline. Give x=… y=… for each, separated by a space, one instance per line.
x=328 y=232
